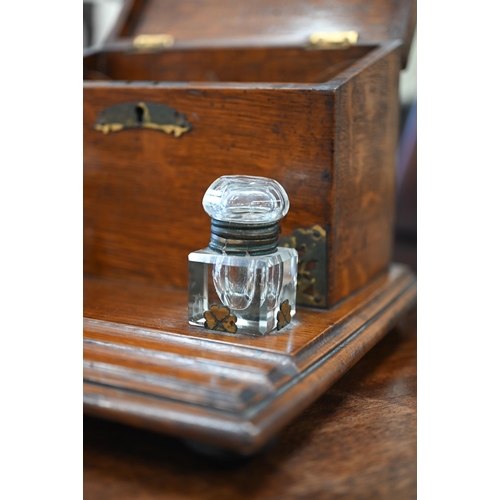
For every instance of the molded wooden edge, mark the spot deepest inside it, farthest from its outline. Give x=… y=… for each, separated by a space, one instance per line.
x=333 y=365
x=248 y=432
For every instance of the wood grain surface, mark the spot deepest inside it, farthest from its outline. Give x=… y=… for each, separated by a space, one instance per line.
x=143 y=189
x=375 y=21
x=230 y=64
x=146 y=366
x=259 y=110
x=366 y=120
x=358 y=441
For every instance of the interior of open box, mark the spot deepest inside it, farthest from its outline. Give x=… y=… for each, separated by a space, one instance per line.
x=255 y=64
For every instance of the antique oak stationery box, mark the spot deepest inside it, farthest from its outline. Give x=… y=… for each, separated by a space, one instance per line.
x=305 y=92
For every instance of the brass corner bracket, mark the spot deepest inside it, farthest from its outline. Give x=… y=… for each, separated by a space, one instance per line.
x=312 y=285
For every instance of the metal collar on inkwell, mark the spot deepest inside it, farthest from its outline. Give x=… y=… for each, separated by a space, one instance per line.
x=234 y=238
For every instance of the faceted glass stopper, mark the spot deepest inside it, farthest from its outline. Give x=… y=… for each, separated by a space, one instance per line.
x=246 y=199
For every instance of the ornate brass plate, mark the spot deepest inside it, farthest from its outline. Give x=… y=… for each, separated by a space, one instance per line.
x=150 y=115
x=312 y=285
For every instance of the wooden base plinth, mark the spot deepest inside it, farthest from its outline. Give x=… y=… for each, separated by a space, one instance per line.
x=145 y=366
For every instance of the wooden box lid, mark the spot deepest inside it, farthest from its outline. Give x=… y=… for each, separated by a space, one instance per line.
x=269 y=21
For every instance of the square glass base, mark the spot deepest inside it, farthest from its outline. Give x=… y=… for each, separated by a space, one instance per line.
x=244 y=294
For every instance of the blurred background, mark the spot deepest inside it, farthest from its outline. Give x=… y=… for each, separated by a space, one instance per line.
x=100 y=16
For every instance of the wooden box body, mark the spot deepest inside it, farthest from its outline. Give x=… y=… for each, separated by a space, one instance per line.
x=322 y=122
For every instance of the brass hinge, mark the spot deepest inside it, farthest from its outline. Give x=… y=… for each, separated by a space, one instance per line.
x=333 y=39
x=153 y=42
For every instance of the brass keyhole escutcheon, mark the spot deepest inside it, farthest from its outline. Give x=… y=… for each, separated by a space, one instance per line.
x=145 y=115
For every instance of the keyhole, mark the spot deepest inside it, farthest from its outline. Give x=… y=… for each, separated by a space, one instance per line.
x=139 y=114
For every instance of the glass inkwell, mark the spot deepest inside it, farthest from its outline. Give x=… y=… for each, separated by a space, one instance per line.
x=243 y=282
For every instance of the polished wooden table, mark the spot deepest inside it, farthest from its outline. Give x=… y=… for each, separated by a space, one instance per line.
x=357 y=441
